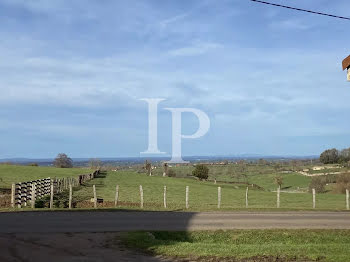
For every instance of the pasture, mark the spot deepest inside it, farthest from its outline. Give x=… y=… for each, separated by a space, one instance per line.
x=203 y=195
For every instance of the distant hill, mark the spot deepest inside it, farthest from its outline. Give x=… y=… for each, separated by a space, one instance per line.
x=135 y=160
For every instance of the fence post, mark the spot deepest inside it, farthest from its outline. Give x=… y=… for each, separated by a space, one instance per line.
x=95 y=197
x=48 y=185
x=278 y=196
x=24 y=194
x=19 y=193
x=51 y=195
x=246 y=197
x=70 y=195
x=33 y=195
x=164 y=197
x=141 y=196
x=13 y=192
x=219 y=197
x=187 y=195
x=313 y=198
x=347 y=199
x=116 y=195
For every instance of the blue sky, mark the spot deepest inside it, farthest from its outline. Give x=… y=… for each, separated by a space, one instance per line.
x=270 y=79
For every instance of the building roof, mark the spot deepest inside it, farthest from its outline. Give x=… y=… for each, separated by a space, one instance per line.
x=346 y=63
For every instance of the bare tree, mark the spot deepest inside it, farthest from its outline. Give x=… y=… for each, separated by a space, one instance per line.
x=95 y=163
x=277 y=166
x=148 y=167
x=63 y=161
x=240 y=171
x=279 y=180
x=165 y=166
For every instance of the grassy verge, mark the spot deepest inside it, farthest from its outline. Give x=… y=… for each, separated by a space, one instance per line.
x=246 y=245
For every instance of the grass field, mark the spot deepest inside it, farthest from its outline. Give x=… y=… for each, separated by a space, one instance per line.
x=247 y=245
x=12 y=174
x=262 y=175
x=291 y=181
x=203 y=195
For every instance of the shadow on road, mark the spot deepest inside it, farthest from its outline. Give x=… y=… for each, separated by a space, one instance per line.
x=67 y=247
x=93 y=221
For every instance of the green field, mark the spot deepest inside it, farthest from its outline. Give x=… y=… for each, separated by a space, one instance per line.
x=291 y=181
x=12 y=174
x=253 y=174
x=202 y=196
x=246 y=245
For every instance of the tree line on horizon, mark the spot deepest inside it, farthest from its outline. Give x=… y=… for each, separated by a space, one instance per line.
x=335 y=156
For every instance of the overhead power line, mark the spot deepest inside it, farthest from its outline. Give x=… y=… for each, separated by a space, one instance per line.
x=302 y=10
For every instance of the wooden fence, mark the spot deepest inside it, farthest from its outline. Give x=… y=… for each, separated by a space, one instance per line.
x=219 y=197
x=23 y=193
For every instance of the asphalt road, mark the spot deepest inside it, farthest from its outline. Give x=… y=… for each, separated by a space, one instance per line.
x=99 y=221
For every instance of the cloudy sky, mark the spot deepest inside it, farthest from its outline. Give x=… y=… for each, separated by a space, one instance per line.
x=270 y=79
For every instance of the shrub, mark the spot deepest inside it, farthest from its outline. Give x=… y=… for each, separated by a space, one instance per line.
x=343 y=183
x=201 y=171
x=318 y=183
x=330 y=179
x=171 y=173
x=33 y=164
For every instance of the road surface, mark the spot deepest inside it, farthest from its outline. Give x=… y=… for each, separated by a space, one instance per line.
x=95 y=236
x=100 y=221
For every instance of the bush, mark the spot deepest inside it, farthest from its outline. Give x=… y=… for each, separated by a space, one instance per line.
x=201 y=171
x=318 y=183
x=33 y=164
x=330 y=179
x=171 y=173
x=343 y=183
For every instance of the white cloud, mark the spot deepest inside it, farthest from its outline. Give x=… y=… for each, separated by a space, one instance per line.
x=291 y=24
x=195 y=49
x=166 y=22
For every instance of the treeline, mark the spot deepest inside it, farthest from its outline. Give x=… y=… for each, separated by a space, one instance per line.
x=334 y=156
